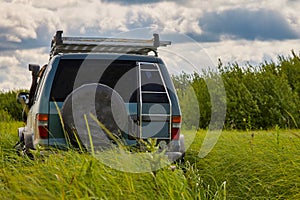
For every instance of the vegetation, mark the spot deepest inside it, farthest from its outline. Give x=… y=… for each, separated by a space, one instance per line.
x=250 y=164
x=9 y=108
x=74 y=175
x=257 y=97
x=254 y=164
x=243 y=165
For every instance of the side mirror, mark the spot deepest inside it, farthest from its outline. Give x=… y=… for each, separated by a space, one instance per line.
x=23 y=98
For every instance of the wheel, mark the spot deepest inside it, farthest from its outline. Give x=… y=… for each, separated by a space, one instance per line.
x=19 y=146
x=22 y=149
x=107 y=107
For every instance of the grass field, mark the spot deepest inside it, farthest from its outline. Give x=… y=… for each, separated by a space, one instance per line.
x=243 y=165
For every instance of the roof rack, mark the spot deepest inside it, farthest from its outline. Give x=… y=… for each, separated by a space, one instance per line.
x=61 y=44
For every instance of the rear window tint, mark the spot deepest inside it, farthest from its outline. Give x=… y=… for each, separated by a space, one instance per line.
x=120 y=75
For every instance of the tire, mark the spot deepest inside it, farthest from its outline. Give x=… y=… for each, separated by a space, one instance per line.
x=24 y=145
x=19 y=146
x=102 y=102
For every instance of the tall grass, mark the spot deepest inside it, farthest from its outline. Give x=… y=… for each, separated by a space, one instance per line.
x=255 y=164
x=75 y=175
x=243 y=165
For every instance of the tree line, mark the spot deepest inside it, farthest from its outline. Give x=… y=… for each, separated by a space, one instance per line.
x=257 y=97
x=9 y=108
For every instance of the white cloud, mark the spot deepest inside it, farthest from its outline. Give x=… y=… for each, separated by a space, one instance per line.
x=25 y=19
x=14 y=67
x=28 y=24
x=21 y=21
x=6 y=61
x=254 y=52
x=14 y=77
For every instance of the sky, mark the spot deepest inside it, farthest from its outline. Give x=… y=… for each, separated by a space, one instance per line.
x=202 y=31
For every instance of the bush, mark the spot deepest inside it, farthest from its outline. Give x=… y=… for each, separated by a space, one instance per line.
x=10 y=109
x=258 y=97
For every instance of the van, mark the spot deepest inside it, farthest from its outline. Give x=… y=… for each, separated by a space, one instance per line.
x=106 y=88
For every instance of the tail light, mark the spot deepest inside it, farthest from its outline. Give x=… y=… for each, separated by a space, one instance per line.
x=42 y=125
x=176 y=124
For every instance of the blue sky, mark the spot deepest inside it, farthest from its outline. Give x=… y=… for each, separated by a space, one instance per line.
x=234 y=31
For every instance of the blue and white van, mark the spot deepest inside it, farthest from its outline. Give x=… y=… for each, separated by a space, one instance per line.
x=136 y=98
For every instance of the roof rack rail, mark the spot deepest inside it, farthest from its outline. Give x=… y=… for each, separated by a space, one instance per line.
x=61 y=44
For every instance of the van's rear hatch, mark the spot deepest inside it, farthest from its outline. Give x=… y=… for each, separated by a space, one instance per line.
x=146 y=90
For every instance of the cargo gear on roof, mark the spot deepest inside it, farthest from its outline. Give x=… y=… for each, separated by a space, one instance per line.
x=61 y=44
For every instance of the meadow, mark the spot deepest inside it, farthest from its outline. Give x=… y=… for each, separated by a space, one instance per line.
x=243 y=165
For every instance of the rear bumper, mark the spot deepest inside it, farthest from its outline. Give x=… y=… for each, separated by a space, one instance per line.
x=174 y=156
x=59 y=143
x=175 y=150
